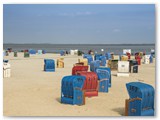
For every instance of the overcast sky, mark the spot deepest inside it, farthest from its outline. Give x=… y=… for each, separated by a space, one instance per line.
x=79 y=24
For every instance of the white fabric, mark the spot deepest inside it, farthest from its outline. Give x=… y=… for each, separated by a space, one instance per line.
x=123 y=66
x=126 y=50
x=6 y=70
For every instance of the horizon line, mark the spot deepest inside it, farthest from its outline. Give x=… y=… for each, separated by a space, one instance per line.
x=86 y=43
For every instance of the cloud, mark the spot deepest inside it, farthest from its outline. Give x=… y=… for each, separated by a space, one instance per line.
x=116 y=30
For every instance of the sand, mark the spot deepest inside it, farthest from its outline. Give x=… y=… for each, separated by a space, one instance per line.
x=32 y=92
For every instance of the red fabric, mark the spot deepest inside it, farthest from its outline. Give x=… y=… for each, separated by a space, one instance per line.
x=137 y=57
x=129 y=55
x=25 y=50
x=91 y=94
x=76 y=69
x=139 y=61
x=91 y=83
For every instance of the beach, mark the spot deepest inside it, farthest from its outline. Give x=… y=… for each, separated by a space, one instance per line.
x=30 y=91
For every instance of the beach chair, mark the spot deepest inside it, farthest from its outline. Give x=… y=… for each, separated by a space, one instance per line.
x=76 y=69
x=151 y=59
x=80 y=53
x=71 y=90
x=94 y=65
x=26 y=54
x=107 y=74
x=102 y=60
x=141 y=101
x=49 y=65
x=97 y=56
x=113 y=64
x=112 y=56
x=62 y=53
x=5 y=61
x=6 y=69
x=138 y=59
x=7 y=53
x=103 y=79
x=39 y=52
x=129 y=55
x=60 y=63
x=43 y=52
x=15 y=54
x=123 y=68
x=4 y=53
x=91 y=83
x=133 y=66
x=31 y=51
x=89 y=58
x=124 y=58
x=108 y=56
x=84 y=61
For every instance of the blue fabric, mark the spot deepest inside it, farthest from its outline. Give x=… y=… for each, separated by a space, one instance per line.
x=31 y=51
x=143 y=91
x=49 y=65
x=71 y=90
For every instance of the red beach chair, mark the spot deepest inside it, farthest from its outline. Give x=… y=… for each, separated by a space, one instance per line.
x=91 y=83
x=76 y=69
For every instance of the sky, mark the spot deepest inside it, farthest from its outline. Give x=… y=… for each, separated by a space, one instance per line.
x=79 y=23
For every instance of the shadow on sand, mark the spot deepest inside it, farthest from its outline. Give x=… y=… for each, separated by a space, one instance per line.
x=58 y=100
x=114 y=75
x=121 y=111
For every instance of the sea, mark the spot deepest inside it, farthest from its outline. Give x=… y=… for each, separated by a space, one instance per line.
x=98 y=48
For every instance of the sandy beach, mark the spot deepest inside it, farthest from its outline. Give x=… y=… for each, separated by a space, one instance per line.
x=32 y=92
